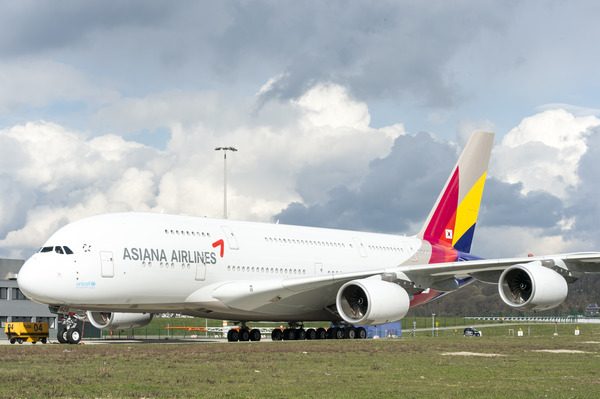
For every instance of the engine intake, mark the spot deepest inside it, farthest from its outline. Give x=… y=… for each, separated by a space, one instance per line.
x=372 y=301
x=531 y=286
x=119 y=321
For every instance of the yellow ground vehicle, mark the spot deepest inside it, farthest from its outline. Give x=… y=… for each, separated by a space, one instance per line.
x=26 y=332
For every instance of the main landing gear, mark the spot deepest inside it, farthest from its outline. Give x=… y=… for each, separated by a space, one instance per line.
x=69 y=330
x=244 y=334
x=296 y=332
x=299 y=333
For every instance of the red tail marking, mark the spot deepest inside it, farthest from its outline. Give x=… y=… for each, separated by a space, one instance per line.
x=219 y=243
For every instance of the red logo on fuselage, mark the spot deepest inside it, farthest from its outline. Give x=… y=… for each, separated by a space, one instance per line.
x=219 y=243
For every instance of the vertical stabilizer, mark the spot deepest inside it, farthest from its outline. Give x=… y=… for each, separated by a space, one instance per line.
x=453 y=218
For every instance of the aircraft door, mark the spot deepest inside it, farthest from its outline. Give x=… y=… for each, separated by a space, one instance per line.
x=200 y=271
x=230 y=237
x=107 y=264
x=360 y=247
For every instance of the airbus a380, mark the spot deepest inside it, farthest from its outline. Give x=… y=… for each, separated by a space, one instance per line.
x=120 y=269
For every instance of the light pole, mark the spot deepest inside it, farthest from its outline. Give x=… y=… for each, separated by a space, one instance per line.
x=225 y=149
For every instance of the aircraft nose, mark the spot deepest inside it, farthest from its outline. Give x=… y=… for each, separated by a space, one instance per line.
x=29 y=279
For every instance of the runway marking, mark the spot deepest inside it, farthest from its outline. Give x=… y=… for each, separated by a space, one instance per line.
x=560 y=351
x=472 y=354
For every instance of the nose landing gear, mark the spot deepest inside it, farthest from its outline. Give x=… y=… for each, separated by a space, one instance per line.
x=69 y=330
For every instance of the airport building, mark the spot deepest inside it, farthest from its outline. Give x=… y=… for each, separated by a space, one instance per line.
x=14 y=306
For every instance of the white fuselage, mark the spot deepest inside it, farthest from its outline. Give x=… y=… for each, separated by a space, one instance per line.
x=164 y=263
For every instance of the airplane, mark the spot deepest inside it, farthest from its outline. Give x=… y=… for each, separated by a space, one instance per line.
x=118 y=270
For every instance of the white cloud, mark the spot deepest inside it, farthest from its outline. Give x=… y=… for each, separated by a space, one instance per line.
x=326 y=137
x=543 y=151
x=505 y=241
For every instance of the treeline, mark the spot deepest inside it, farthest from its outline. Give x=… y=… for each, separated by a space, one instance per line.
x=479 y=299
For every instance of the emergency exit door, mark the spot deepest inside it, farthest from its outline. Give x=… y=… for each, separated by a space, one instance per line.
x=107 y=264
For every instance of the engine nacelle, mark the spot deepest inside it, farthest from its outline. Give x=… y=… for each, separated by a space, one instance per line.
x=119 y=321
x=372 y=301
x=531 y=286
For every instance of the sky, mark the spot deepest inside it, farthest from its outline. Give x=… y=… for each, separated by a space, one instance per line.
x=345 y=114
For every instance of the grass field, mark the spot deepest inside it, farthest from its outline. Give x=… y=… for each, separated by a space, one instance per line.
x=410 y=367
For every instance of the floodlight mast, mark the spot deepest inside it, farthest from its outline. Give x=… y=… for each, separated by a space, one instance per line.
x=225 y=149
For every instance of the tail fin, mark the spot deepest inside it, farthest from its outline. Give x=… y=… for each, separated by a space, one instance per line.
x=453 y=218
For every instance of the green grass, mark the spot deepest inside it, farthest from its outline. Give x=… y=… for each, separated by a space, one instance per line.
x=411 y=367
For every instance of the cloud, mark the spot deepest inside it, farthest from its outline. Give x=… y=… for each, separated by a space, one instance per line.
x=543 y=151
x=56 y=175
x=38 y=83
x=397 y=192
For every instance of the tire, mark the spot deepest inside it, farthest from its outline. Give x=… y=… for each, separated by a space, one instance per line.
x=44 y=340
x=12 y=341
x=361 y=333
x=61 y=335
x=331 y=332
x=349 y=333
x=20 y=341
x=74 y=336
x=233 y=335
x=255 y=335
x=276 y=335
x=311 y=334
x=244 y=335
x=300 y=334
x=321 y=333
x=339 y=333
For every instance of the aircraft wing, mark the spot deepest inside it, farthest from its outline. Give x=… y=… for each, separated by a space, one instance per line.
x=489 y=270
x=311 y=293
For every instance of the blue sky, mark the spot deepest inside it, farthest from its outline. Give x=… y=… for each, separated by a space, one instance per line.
x=116 y=106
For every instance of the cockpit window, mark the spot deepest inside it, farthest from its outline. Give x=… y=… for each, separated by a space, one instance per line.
x=62 y=250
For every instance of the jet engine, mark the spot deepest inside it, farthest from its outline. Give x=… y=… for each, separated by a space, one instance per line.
x=372 y=301
x=119 y=321
x=531 y=286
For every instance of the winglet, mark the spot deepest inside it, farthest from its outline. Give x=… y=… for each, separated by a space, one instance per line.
x=453 y=218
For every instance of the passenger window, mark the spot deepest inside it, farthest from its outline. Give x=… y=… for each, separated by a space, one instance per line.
x=59 y=250
x=68 y=250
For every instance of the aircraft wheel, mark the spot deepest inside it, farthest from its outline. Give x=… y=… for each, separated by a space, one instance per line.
x=74 y=336
x=233 y=335
x=311 y=334
x=321 y=333
x=244 y=335
x=289 y=334
x=300 y=334
x=276 y=335
x=361 y=333
x=339 y=333
x=349 y=332
x=330 y=333
x=255 y=334
x=61 y=335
